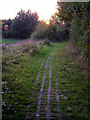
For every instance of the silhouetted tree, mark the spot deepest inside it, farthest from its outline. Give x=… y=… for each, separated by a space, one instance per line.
x=22 y=26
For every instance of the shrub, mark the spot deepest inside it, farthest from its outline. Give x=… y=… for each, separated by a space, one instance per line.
x=40 y=32
x=46 y=42
x=51 y=32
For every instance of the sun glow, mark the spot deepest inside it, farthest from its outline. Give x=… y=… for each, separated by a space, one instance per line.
x=44 y=8
x=47 y=22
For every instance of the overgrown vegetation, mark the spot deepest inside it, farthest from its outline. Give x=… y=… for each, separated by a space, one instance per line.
x=54 y=31
x=29 y=66
x=20 y=72
x=20 y=48
x=73 y=83
x=71 y=18
x=76 y=16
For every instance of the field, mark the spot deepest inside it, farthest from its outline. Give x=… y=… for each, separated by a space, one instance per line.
x=43 y=81
x=10 y=41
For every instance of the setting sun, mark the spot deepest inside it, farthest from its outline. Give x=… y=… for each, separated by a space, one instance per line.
x=47 y=22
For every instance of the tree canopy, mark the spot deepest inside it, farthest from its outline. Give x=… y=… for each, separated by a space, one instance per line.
x=76 y=15
x=22 y=26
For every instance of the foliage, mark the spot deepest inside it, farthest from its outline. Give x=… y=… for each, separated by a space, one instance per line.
x=46 y=42
x=22 y=26
x=21 y=48
x=40 y=31
x=19 y=77
x=76 y=15
x=54 y=31
x=6 y=27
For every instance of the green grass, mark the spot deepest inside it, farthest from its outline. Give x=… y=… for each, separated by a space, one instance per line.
x=72 y=84
x=10 y=41
x=21 y=72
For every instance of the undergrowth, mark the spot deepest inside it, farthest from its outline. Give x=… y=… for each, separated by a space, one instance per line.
x=20 y=70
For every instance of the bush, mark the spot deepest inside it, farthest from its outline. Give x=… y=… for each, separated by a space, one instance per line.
x=40 y=32
x=46 y=42
x=51 y=32
x=78 y=38
x=76 y=16
x=75 y=32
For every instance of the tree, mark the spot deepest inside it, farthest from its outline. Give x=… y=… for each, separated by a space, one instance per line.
x=52 y=31
x=76 y=15
x=40 y=31
x=24 y=24
x=6 y=27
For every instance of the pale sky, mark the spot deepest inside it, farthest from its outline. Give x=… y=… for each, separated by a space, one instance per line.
x=44 y=8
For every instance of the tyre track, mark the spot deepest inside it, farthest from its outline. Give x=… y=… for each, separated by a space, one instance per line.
x=57 y=95
x=57 y=98
x=49 y=89
x=27 y=113
x=45 y=104
x=38 y=75
x=41 y=90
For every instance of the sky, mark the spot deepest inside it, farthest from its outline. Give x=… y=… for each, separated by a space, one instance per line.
x=44 y=8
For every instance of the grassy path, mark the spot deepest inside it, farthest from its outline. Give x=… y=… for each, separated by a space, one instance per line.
x=43 y=105
x=48 y=85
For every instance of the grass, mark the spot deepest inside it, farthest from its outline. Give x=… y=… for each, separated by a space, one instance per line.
x=73 y=84
x=10 y=41
x=20 y=73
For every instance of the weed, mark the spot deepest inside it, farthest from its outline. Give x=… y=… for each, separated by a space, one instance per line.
x=21 y=91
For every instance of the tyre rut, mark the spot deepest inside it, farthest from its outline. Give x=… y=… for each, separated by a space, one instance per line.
x=43 y=109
